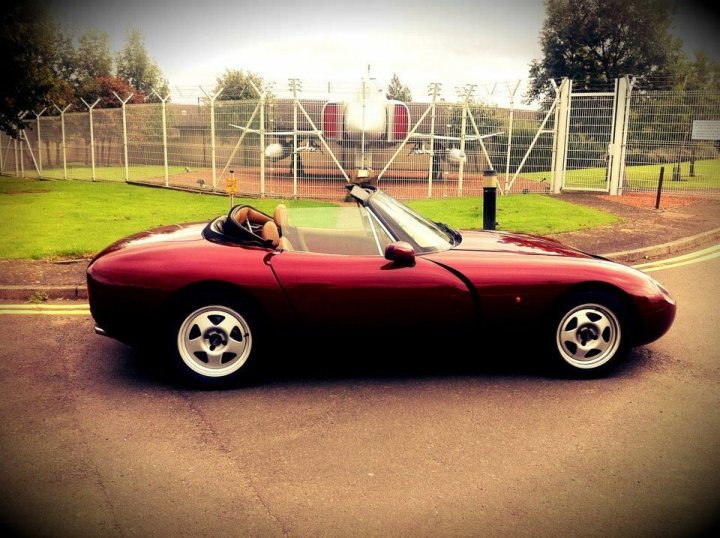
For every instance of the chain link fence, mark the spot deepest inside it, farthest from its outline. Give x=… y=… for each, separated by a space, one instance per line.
x=303 y=144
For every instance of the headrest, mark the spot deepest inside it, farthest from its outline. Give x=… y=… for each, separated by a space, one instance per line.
x=281 y=215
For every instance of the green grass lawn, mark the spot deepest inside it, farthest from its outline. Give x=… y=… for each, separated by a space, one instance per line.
x=109 y=173
x=43 y=219
x=530 y=213
x=707 y=175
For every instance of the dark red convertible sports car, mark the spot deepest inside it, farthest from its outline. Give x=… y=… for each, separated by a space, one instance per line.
x=217 y=292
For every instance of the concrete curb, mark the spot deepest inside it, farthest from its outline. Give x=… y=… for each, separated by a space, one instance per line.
x=51 y=293
x=664 y=248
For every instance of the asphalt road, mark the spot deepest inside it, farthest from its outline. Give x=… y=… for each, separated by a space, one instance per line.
x=95 y=441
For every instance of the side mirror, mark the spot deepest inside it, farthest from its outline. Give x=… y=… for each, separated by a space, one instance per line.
x=401 y=254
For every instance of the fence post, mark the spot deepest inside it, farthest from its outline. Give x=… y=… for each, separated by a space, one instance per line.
x=62 y=131
x=468 y=90
x=562 y=128
x=295 y=85
x=262 y=145
x=125 y=140
x=510 y=133
x=2 y=158
x=434 y=91
x=163 y=100
x=617 y=145
x=22 y=156
x=17 y=164
x=92 y=135
x=263 y=103
x=212 y=98
x=39 y=149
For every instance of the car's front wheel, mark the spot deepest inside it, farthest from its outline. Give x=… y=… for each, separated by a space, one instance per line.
x=590 y=333
x=214 y=343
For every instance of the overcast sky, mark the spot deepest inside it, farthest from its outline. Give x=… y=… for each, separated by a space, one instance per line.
x=453 y=41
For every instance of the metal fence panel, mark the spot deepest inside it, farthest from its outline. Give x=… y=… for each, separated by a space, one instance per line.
x=107 y=124
x=589 y=135
x=278 y=146
x=660 y=135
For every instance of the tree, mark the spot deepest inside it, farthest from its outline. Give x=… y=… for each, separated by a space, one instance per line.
x=28 y=54
x=109 y=84
x=700 y=73
x=600 y=40
x=135 y=66
x=94 y=58
x=397 y=90
x=64 y=66
x=93 y=61
x=237 y=84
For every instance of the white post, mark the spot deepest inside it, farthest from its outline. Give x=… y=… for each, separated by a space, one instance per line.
x=62 y=131
x=295 y=85
x=22 y=159
x=125 y=140
x=616 y=150
x=263 y=102
x=22 y=156
x=17 y=165
x=39 y=149
x=212 y=98
x=262 y=145
x=468 y=91
x=163 y=100
x=2 y=159
x=510 y=132
x=562 y=129
x=92 y=135
x=434 y=91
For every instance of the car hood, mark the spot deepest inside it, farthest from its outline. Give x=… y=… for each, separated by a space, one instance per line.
x=165 y=234
x=493 y=241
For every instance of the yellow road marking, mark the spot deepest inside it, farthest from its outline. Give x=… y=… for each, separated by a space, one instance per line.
x=45 y=312
x=691 y=255
x=682 y=263
x=82 y=309
x=42 y=306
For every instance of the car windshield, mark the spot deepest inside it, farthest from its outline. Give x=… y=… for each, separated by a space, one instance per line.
x=427 y=235
x=348 y=229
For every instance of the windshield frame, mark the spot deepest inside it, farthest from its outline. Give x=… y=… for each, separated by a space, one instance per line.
x=376 y=202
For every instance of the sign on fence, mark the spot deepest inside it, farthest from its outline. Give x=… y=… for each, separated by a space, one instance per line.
x=706 y=130
x=231 y=185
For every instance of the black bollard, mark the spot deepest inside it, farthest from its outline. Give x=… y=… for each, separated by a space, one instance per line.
x=489 y=199
x=659 y=189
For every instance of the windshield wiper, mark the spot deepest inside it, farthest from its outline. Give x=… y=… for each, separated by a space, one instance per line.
x=454 y=236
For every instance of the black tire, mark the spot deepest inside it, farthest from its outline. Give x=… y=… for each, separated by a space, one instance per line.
x=589 y=334
x=213 y=341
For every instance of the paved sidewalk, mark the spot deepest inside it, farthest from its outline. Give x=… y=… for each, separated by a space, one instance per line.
x=639 y=228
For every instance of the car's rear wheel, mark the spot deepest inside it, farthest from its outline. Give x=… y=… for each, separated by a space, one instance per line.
x=590 y=333
x=214 y=343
